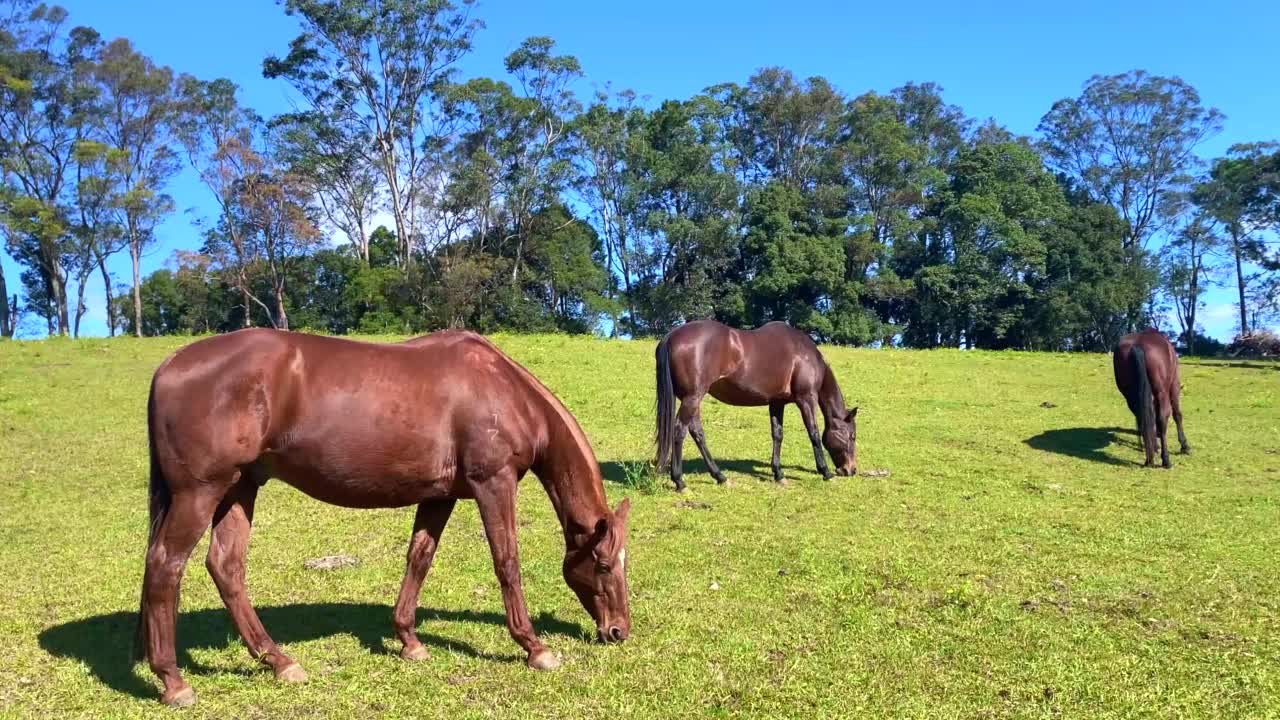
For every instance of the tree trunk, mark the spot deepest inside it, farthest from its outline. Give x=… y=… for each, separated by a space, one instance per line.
x=1191 y=310
x=135 y=254
x=1235 y=247
x=282 y=317
x=248 y=308
x=60 y=300
x=6 y=328
x=81 y=308
x=106 y=288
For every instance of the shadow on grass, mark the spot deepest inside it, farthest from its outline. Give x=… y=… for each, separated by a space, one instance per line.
x=614 y=471
x=103 y=642
x=1084 y=443
x=1262 y=364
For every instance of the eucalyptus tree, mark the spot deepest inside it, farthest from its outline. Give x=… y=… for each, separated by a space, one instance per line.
x=372 y=73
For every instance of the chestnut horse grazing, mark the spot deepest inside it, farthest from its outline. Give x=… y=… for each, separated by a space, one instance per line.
x=424 y=422
x=772 y=365
x=1146 y=367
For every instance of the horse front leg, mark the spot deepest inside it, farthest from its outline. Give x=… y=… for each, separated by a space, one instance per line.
x=496 y=499
x=775 y=426
x=806 y=406
x=428 y=526
x=226 y=562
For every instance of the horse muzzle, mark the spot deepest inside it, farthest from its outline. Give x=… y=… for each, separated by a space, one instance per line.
x=612 y=634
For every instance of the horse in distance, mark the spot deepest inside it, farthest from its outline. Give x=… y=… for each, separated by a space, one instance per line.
x=426 y=422
x=1147 y=374
x=772 y=365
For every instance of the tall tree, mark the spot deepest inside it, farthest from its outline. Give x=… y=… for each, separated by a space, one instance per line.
x=603 y=134
x=1242 y=193
x=135 y=114
x=373 y=70
x=335 y=169
x=687 y=200
x=96 y=232
x=1190 y=270
x=519 y=138
x=38 y=96
x=275 y=231
x=219 y=136
x=1129 y=140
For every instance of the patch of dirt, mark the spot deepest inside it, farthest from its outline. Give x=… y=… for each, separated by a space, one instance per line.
x=882 y=472
x=1046 y=404
x=331 y=562
x=693 y=505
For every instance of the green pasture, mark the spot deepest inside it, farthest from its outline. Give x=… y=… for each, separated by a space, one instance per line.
x=1014 y=562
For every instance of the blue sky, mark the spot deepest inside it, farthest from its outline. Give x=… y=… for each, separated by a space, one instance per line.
x=1003 y=59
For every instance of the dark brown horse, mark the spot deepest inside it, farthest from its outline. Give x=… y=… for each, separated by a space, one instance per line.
x=1146 y=367
x=425 y=422
x=772 y=365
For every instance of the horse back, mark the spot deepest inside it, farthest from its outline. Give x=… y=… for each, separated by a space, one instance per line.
x=351 y=423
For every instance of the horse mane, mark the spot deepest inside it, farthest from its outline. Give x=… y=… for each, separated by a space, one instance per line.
x=829 y=395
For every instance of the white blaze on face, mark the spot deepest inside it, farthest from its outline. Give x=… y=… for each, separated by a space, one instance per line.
x=622 y=559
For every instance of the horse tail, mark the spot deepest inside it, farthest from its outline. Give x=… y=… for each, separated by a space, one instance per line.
x=666 y=431
x=160 y=498
x=1145 y=411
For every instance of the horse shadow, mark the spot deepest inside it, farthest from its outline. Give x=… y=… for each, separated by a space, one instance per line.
x=103 y=642
x=615 y=471
x=1083 y=443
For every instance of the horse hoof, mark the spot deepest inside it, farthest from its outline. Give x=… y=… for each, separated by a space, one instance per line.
x=544 y=660
x=183 y=697
x=292 y=674
x=720 y=479
x=681 y=489
x=414 y=653
x=1186 y=450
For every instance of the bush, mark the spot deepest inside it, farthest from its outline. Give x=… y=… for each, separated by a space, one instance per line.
x=1205 y=346
x=1259 y=343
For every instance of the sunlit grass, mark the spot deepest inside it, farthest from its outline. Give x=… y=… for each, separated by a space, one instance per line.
x=1015 y=563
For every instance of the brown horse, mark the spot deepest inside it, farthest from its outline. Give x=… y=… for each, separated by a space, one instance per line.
x=1146 y=368
x=425 y=422
x=772 y=365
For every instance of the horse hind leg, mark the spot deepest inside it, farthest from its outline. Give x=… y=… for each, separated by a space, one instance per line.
x=1177 y=418
x=677 y=445
x=694 y=422
x=1162 y=429
x=428 y=526
x=184 y=524
x=227 y=561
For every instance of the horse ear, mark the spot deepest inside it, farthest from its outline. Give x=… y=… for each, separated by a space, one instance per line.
x=623 y=511
x=852 y=414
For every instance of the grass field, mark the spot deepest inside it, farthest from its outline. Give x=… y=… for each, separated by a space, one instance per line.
x=1015 y=563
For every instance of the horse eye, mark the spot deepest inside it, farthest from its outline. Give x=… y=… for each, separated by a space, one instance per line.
x=603 y=569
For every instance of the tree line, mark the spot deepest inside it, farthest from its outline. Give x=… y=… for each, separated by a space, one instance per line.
x=401 y=197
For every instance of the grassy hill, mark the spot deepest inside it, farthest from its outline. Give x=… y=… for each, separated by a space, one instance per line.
x=1016 y=562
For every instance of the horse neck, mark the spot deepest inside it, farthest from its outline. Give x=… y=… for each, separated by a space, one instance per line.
x=830 y=399
x=568 y=470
